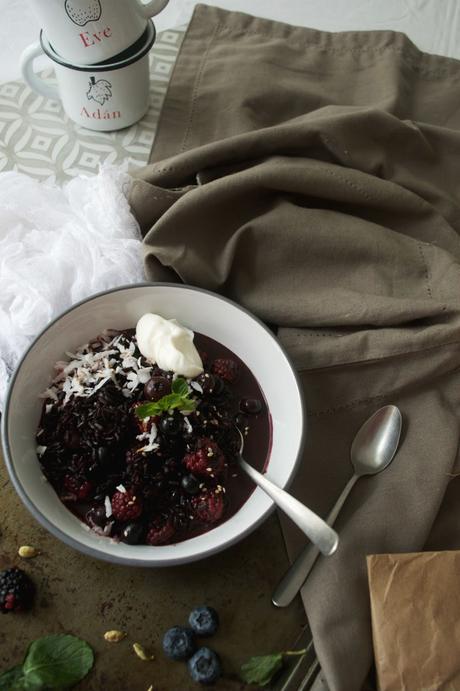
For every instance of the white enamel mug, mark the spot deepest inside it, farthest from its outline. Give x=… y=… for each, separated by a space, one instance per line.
x=103 y=97
x=87 y=32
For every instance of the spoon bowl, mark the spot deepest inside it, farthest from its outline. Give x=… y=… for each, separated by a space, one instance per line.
x=372 y=450
x=376 y=442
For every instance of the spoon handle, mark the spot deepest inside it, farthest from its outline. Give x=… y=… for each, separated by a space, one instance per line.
x=312 y=525
x=296 y=575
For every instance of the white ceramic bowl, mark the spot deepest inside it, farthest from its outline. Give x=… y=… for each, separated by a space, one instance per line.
x=201 y=311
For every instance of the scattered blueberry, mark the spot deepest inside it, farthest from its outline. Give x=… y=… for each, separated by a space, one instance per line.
x=204 y=621
x=179 y=643
x=251 y=405
x=190 y=484
x=132 y=533
x=205 y=666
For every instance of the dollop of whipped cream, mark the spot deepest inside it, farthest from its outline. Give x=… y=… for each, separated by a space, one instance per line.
x=168 y=344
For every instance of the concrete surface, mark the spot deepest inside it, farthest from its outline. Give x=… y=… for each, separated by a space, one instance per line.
x=86 y=597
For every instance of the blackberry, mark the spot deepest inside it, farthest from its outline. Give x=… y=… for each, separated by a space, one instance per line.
x=126 y=506
x=208 y=506
x=16 y=591
x=160 y=532
x=208 y=458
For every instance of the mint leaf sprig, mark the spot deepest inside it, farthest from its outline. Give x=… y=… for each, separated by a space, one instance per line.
x=262 y=668
x=178 y=398
x=53 y=662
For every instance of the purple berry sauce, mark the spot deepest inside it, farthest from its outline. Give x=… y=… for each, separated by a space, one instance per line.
x=158 y=480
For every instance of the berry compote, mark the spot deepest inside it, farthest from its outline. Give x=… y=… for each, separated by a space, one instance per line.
x=156 y=477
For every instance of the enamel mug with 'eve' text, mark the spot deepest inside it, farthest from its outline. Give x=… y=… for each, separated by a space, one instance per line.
x=90 y=31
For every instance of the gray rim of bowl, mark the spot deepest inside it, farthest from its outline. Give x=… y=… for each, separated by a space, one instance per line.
x=108 y=65
x=93 y=552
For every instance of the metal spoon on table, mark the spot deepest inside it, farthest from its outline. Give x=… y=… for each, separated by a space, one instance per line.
x=314 y=527
x=373 y=449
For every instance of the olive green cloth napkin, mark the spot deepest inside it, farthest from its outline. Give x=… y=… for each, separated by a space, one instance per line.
x=314 y=178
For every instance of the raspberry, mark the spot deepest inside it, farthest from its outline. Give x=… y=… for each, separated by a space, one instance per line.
x=208 y=506
x=16 y=591
x=225 y=368
x=79 y=489
x=126 y=506
x=206 y=460
x=160 y=532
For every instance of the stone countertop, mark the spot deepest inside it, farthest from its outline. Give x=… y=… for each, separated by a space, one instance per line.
x=86 y=597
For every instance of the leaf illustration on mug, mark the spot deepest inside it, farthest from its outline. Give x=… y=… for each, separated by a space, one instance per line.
x=83 y=11
x=99 y=91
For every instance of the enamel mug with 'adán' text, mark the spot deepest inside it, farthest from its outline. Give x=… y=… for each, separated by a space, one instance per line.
x=108 y=96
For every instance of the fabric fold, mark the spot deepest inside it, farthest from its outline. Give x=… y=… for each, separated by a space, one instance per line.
x=312 y=178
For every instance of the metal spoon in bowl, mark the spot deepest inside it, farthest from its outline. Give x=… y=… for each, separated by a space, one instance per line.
x=314 y=527
x=372 y=451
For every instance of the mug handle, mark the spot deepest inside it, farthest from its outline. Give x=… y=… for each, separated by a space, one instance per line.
x=27 y=69
x=150 y=9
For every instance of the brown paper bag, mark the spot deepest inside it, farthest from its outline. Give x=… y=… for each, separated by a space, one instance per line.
x=415 y=604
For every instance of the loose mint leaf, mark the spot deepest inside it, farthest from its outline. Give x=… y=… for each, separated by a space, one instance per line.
x=180 y=386
x=13 y=680
x=261 y=669
x=57 y=661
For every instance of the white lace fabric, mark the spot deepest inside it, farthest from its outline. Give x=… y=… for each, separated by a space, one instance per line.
x=59 y=245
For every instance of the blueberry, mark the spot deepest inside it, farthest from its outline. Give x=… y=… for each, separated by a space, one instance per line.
x=241 y=421
x=204 y=621
x=190 y=484
x=179 y=643
x=205 y=666
x=96 y=516
x=251 y=405
x=132 y=533
x=156 y=388
x=170 y=426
